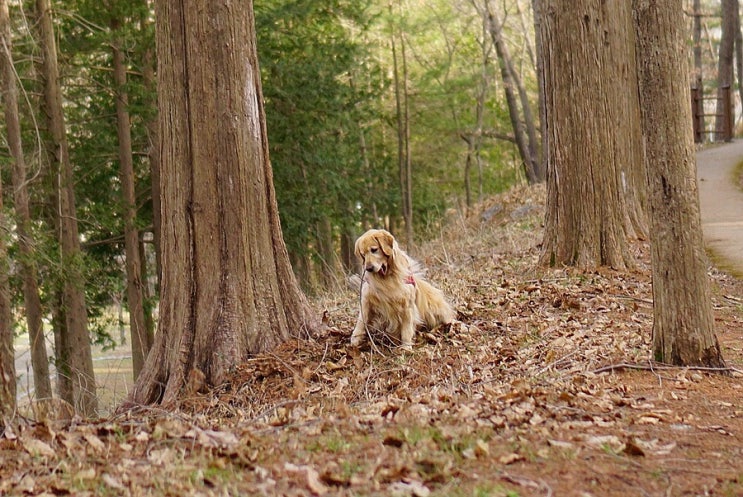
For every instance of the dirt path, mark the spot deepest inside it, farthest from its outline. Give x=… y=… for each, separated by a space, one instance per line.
x=722 y=204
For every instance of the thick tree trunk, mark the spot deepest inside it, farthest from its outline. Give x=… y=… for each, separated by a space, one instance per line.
x=73 y=292
x=228 y=290
x=683 y=326
x=593 y=134
x=140 y=340
x=27 y=261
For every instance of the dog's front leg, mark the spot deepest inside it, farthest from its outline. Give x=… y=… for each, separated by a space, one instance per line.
x=407 y=330
x=359 y=332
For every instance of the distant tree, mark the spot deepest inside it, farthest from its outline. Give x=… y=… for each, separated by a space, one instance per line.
x=594 y=154
x=725 y=60
x=27 y=259
x=519 y=106
x=7 y=355
x=402 y=125
x=683 y=325
x=141 y=336
x=77 y=343
x=228 y=290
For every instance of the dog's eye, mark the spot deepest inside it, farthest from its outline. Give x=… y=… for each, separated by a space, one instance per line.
x=373 y=250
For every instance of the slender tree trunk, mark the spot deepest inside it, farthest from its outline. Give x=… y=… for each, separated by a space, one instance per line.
x=62 y=349
x=7 y=355
x=402 y=134
x=468 y=139
x=523 y=142
x=73 y=292
x=153 y=152
x=738 y=54
x=482 y=93
x=228 y=290
x=725 y=62
x=27 y=259
x=697 y=40
x=408 y=150
x=140 y=341
x=326 y=250
x=683 y=325
x=538 y=13
x=593 y=134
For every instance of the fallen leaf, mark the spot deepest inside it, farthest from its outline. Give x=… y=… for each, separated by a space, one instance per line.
x=632 y=449
x=94 y=442
x=311 y=478
x=113 y=482
x=85 y=474
x=38 y=448
x=510 y=458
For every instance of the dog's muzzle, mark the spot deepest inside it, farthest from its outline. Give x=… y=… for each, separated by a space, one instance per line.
x=381 y=269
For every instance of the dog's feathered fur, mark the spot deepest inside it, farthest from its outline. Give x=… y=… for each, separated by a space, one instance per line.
x=395 y=298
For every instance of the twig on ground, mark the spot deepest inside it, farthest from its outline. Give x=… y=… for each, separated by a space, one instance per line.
x=655 y=366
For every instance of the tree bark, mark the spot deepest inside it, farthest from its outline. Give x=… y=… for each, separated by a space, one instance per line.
x=593 y=134
x=141 y=341
x=73 y=292
x=228 y=290
x=697 y=39
x=153 y=134
x=725 y=63
x=27 y=260
x=683 y=326
x=738 y=55
x=7 y=355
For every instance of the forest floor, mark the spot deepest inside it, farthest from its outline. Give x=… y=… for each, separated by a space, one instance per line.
x=543 y=387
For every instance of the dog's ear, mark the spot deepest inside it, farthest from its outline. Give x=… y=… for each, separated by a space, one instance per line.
x=357 y=248
x=386 y=242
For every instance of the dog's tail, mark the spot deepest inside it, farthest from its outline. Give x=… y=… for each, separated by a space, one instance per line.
x=417 y=269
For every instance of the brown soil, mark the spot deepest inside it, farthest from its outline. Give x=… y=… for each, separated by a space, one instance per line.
x=544 y=387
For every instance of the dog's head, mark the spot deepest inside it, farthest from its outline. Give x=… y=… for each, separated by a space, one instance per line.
x=376 y=249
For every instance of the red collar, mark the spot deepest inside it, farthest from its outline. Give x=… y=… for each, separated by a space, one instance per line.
x=410 y=280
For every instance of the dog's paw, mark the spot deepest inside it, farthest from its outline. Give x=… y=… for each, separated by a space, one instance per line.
x=407 y=347
x=356 y=340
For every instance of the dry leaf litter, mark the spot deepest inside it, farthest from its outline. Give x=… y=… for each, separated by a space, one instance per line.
x=542 y=387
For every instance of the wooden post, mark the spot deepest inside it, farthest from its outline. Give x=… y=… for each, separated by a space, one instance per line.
x=727 y=113
x=697 y=118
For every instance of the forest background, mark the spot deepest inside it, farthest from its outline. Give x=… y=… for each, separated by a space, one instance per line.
x=378 y=114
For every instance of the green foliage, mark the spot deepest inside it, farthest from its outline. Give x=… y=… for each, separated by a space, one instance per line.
x=321 y=88
x=330 y=110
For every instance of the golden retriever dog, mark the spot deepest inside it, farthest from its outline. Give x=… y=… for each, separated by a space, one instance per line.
x=395 y=299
